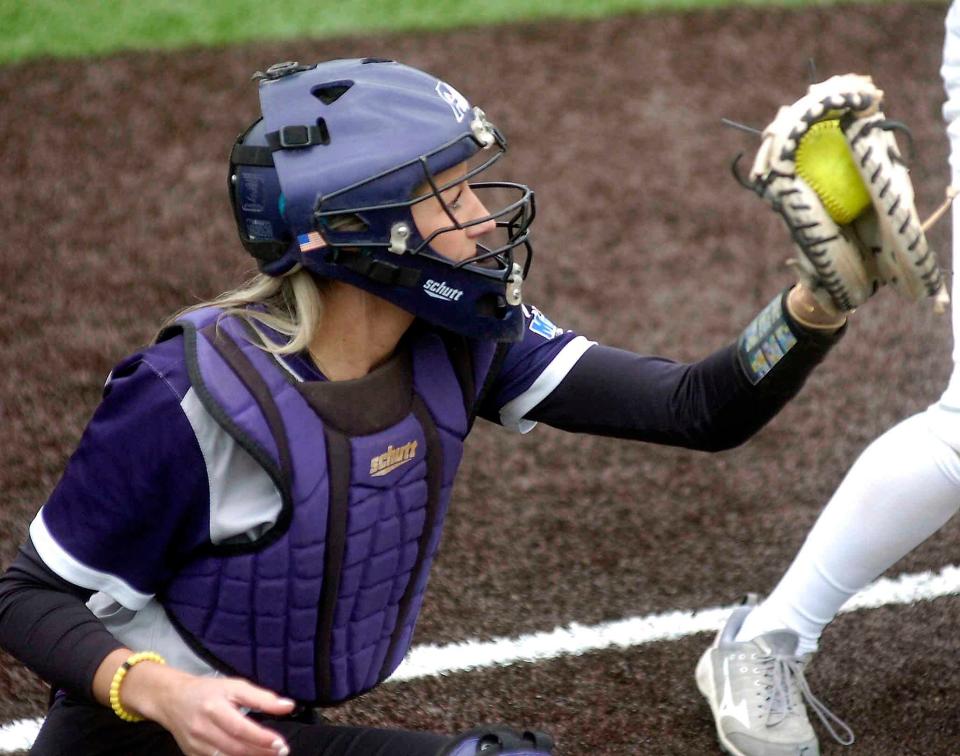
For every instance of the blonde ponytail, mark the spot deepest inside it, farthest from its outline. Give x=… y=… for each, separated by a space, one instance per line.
x=290 y=305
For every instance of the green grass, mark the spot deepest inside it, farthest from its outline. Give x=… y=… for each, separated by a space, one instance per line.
x=69 y=28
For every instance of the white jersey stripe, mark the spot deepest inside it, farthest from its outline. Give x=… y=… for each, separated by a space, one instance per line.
x=512 y=413
x=74 y=571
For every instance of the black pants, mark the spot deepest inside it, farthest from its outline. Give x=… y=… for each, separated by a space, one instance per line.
x=82 y=728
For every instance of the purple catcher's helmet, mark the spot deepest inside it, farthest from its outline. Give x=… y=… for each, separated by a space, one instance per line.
x=327 y=178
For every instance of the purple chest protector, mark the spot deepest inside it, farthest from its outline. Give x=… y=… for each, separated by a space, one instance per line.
x=322 y=606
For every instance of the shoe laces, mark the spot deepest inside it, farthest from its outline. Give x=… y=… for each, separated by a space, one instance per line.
x=787 y=689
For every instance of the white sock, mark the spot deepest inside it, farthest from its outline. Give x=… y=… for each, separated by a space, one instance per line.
x=901 y=490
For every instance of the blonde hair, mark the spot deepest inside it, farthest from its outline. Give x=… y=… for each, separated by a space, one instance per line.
x=291 y=305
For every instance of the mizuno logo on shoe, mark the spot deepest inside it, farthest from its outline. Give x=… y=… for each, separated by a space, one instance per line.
x=440 y=290
x=739 y=711
x=392 y=458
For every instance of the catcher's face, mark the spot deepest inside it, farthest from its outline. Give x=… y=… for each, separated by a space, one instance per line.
x=449 y=214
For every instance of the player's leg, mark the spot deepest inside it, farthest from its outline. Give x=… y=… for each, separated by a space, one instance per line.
x=84 y=728
x=339 y=740
x=81 y=727
x=496 y=740
x=901 y=490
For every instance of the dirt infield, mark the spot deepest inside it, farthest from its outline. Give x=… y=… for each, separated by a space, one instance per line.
x=114 y=214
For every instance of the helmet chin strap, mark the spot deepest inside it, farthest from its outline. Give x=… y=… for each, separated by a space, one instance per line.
x=381 y=271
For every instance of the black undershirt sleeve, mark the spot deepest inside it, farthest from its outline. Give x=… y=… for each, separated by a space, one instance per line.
x=708 y=405
x=45 y=623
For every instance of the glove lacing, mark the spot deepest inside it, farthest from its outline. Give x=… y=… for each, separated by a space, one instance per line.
x=786 y=689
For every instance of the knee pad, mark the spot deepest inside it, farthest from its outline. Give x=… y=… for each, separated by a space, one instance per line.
x=494 y=740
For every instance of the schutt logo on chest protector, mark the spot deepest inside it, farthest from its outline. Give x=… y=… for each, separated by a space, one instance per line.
x=392 y=458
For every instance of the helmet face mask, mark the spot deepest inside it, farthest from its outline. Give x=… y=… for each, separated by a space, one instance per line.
x=494 y=254
x=363 y=231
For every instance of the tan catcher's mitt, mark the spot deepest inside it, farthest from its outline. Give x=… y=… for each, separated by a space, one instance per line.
x=872 y=235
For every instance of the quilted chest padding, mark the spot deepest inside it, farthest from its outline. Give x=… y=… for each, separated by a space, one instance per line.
x=386 y=518
x=256 y=613
x=436 y=384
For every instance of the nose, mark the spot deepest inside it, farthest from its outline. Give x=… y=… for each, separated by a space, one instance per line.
x=479 y=210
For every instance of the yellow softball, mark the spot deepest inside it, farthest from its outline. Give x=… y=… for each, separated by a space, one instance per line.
x=825 y=162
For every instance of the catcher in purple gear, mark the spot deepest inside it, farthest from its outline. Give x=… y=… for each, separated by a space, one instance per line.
x=245 y=531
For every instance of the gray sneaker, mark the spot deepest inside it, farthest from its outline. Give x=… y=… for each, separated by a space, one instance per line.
x=756 y=691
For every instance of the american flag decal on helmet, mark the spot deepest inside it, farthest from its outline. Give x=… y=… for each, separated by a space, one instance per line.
x=310 y=241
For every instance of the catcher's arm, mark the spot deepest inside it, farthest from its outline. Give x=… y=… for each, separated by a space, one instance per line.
x=841 y=265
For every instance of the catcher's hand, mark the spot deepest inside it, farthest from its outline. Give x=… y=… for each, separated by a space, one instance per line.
x=843 y=265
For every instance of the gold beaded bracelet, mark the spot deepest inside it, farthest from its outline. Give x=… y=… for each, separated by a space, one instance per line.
x=118 y=677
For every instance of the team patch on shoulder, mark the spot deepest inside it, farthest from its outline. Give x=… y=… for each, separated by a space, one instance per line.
x=540 y=324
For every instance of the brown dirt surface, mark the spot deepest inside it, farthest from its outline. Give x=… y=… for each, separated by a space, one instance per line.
x=114 y=214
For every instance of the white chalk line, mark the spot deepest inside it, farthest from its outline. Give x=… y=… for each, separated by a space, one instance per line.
x=430 y=660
